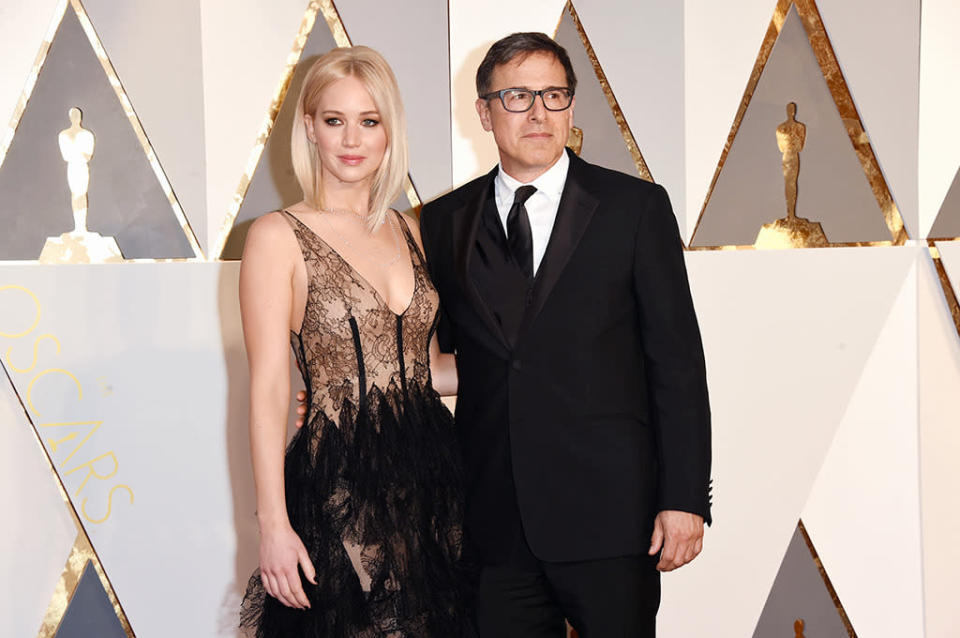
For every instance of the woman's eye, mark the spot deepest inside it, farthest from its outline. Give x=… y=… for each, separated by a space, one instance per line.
x=332 y=121
x=370 y=122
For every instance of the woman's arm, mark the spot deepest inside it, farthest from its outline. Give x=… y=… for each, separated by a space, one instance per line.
x=266 y=299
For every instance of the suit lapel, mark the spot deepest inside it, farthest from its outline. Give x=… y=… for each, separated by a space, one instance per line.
x=577 y=206
x=465 y=227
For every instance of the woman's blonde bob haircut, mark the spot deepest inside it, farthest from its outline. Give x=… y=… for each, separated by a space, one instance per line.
x=372 y=70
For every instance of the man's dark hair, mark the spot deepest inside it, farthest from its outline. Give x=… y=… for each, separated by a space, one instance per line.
x=509 y=48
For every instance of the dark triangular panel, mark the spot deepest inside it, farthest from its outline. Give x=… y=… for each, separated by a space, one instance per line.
x=414 y=37
x=126 y=200
x=833 y=185
x=604 y=135
x=156 y=48
x=800 y=593
x=947 y=223
x=273 y=184
x=90 y=613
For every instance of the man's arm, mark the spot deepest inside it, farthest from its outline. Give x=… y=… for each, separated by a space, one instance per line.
x=676 y=381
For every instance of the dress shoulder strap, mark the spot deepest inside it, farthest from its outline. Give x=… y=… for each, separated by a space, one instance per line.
x=306 y=238
x=414 y=247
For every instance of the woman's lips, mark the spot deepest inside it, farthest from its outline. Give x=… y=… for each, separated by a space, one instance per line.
x=352 y=160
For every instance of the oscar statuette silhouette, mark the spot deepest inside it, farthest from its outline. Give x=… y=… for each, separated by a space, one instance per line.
x=80 y=246
x=791 y=231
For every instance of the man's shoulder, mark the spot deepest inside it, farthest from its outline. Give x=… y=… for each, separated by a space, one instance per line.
x=612 y=182
x=457 y=197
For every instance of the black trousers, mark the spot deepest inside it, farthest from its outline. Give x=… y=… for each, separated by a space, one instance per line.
x=607 y=598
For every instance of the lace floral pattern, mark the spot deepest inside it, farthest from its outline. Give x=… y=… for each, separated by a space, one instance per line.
x=373 y=479
x=336 y=292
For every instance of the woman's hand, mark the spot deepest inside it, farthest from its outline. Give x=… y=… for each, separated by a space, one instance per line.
x=281 y=551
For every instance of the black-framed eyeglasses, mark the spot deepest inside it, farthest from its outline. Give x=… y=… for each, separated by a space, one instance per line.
x=555 y=98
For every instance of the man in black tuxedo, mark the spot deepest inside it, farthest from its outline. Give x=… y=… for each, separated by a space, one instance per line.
x=582 y=404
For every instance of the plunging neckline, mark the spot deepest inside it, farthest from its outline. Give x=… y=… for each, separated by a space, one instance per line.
x=359 y=276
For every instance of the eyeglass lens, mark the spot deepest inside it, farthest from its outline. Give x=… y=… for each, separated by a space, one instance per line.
x=519 y=100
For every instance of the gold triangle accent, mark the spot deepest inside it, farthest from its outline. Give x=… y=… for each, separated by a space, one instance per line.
x=842 y=99
x=642 y=169
x=81 y=552
x=332 y=17
x=949 y=293
x=933 y=239
x=125 y=103
x=826 y=581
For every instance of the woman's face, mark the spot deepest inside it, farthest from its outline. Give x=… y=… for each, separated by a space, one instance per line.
x=347 y=130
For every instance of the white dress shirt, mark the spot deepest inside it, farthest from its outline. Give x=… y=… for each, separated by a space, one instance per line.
x=541 y=207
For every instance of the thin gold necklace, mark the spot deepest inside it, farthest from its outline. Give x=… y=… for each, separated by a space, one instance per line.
x=344 y=210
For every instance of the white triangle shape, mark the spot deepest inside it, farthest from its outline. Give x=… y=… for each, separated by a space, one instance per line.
x=863 y=513
x=939 y=356
x=786 y=334
x=38 y=532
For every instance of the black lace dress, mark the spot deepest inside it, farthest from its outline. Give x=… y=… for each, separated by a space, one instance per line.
x=373 y=479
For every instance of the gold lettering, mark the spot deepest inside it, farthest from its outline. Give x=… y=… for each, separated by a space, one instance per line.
x=83 y=504
x=36 y=320
x=96 y=426
x=44 y=373
x=91 y=471
x=36 y=349
x=55 y=443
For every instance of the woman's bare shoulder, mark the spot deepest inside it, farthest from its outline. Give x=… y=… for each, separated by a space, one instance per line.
x=270 y=233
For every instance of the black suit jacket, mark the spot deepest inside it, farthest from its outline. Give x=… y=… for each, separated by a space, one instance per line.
x=603 y=393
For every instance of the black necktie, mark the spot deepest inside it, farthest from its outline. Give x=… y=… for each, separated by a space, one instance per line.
x=519 y=235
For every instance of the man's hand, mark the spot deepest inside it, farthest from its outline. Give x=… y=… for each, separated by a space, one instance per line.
x=301 y=407
x=680 y=534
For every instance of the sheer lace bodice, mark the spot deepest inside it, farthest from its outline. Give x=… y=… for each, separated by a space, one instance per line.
x=350 y=340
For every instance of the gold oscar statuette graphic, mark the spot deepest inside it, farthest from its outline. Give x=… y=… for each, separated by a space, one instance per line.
x=798 y=629
x=80 y=246
x=575 y=140
x=791 y=231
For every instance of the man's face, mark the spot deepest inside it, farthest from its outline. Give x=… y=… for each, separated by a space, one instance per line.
x=529 y=142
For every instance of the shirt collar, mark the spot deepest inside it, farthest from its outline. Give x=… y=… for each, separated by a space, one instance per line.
x=550 y=183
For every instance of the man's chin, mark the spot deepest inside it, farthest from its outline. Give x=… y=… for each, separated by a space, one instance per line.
x=541 y=157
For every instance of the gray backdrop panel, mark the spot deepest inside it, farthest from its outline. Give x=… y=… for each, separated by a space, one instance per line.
x=155 y=48
x=947 y=223
x=799 y=592
x=832 y=188
x=90 y=613
x=274 y=184
x=125 y=198
x=603 y=143
x=413 y=37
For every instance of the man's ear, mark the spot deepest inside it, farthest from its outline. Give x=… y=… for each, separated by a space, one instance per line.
x=308 y=124
x=483 y=110
x=573 y=103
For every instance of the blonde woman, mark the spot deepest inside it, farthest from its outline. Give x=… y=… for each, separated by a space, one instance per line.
x=360 y=517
